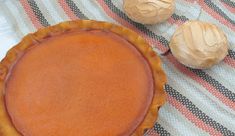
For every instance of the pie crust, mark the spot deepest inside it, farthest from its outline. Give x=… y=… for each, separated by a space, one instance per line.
x=159 y=97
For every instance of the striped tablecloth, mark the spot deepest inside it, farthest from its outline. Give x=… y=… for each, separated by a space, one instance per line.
x=200 y=102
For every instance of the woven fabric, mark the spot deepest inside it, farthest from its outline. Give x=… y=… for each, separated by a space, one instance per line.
x=200 y=102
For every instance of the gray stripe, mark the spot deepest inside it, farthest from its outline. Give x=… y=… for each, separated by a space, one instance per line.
x=231 y=54
x=12 y=20
x=75 y=9
x=229 y=3
x=38 y=13
x=160 y=130
x=45 y=11
x=218 y=86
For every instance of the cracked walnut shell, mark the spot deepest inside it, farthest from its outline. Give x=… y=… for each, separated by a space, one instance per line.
x=149 y=11
x=199 y=44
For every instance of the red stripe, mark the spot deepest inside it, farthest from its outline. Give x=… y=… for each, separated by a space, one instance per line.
x=151 y=41
x=152 y=132
x=230 y=61
x=190 y=116
x=205 y=84
x=30 y=14
x=231 y=9
x=216 y=15
x=172 y=21
x=67 y=10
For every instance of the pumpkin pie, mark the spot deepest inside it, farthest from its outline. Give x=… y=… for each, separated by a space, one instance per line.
x=80 y=78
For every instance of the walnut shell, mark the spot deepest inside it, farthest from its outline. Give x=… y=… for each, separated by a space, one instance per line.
x=199 y=44
x=149 y=11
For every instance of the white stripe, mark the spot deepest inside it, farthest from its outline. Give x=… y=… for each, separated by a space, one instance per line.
x=5 y=27
x=8 y=36
x=51 y=9
x=223 y=74
x=230 y=77
x=91 y=6
x=24 y=16
x=220 y=5
x=50 y=12
x=61 y=15
x=176 y=123
x=21 y=25
x=184 y=8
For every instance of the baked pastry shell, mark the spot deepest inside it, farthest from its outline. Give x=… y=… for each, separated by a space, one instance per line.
x=30 y=40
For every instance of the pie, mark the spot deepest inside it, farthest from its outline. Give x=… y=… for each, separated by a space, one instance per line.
x=80 y=78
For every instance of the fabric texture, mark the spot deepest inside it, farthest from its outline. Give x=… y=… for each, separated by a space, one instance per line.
x=199 y=102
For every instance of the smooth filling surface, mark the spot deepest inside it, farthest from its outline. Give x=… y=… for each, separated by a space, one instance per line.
x=85 y=83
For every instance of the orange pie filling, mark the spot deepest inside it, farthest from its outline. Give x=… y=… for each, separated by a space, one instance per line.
x=83 y=83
